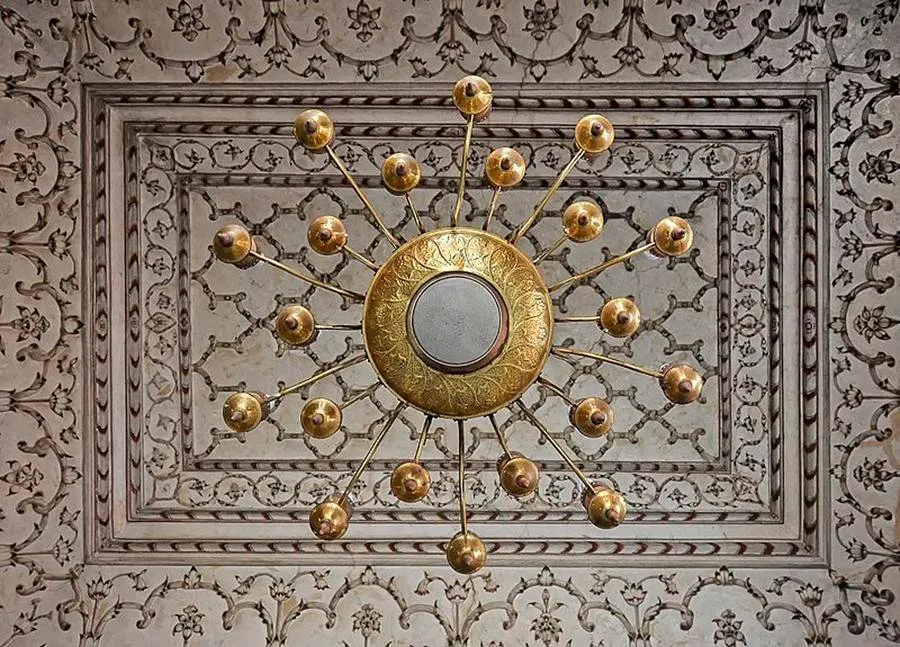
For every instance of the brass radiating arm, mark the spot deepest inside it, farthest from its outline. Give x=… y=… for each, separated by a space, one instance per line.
x=495 y=198
x=462 y=477
x=372 y=449
x=422 y=438
x=550 y=386
x=561 y=352
x=588 y=318
x=470 y=124
x=414 y=212
x=362 y=395
x=359 y=257
x=500 y=436
x=559 y=449
x=362 y=196
x=356 y=296
x=338 y=326
x=552 y=248
x=599 y=268
x=539 y=209
x=347 y=363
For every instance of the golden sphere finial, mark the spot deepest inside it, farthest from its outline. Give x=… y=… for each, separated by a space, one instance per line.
x=620 y=317
x=295 y=325
x=243 y=411
x=681 y=383
x=519 y=476
x=606 y=508
x=672 y=236
x=504 y=167
x=329 y=520
x=582 y=221
x=313 y=129
x=594 y=134
x=472 y=96
x=320 y=418
x=232 y=244
x=327 y=235
x=410 y=482
x=400 y=173
x=466 y=553
x=593 y=417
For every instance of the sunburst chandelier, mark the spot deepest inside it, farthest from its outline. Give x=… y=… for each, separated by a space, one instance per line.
x=458 y=323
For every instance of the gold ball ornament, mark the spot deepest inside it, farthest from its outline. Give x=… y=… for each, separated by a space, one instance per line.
x=233 y=244
x=329 y=521
x=295 y=325
x=594 y=134
x=320 y=418
x=582 y=221
x=672 y=236
x=466 y=553
x=243 y=411
x=410 y=482
x=327 y=235
x=400 y=173
x=620 y=317
x=681 y=383
x=519 y=476
x=606 y=508
x=473 y=96
x=313 y=129
x=592 y=417
x=504 y=168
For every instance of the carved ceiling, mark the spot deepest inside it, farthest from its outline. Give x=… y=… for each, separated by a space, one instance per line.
x=765 y=513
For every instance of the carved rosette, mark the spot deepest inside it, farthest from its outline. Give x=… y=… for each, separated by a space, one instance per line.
x=530 y=323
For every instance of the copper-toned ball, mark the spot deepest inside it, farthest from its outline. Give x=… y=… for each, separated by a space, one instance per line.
x=472 y=96
x=582 y=221
x=400 y=173
x=243 y=411
x=295 y=325
x=327 y=235
x=504 y=167
x=620 y=317
x=329 y=520
x=594 y=134
x=681 y=383
x=672 y=236
x=519 y=476
x=313 y=129
x=466 y=553
x=320 y=418
x=593 y=417
x=232 y=244
x=607 y=508
x=410 y=482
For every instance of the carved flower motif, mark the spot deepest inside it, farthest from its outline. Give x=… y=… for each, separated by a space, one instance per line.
x=541 y=19
x=872 y=474
x=721 y=19
x=22 y=477
x=30 y=323
x=878 y=167
x=27 y=167
x=629 y=55
x=853 y=92
x=729 y=631
x=188 y=623
x=873 y=323
x=810 y=595
x=187 y=20
x=280 y=590
x=546 y=627
x=367 y=621
x=856 y=550
x=364 y=20
x=803 y=51
x=98 y=588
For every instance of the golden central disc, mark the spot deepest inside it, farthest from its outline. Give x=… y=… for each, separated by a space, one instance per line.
x=397 y=358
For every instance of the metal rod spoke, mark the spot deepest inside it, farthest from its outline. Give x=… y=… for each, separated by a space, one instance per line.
x=362 y=259
x=356 y=296
x=495 y=198
x=550 y=386
x=422 y=438
x=372 y=449
x=347 y=363
x=544 y=254
x=559 y=449
x=558 y=351
x=454 y=221
x=415 y=213
x=462 y=477
x=338 y=326
x=362 y=196
x=500 y=436
x=361 y=395
x=592 y=318
x=599 y=268
x=522 y=229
